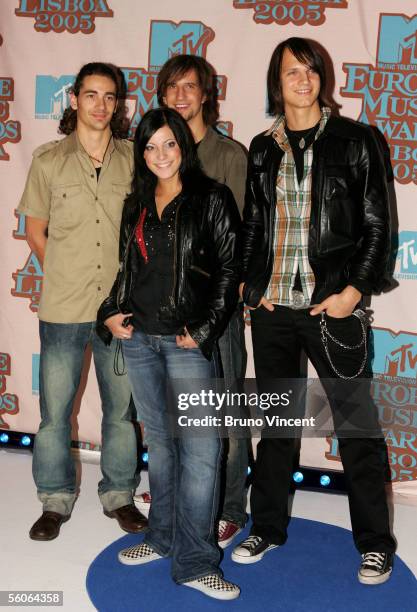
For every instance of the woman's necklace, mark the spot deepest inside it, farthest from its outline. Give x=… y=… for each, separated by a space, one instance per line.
x=100 y=161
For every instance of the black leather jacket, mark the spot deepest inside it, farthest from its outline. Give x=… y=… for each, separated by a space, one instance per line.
x=349 y=223
x=207 y=264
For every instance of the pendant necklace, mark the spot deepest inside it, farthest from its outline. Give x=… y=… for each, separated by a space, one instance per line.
x=302 y=141
x=304 y=138
x=100 y=161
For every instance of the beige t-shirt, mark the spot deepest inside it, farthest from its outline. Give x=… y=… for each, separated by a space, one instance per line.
x=83 y=214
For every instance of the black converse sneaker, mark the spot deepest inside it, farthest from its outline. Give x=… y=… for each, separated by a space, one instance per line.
x=215 y=586
x=252 y=549
x=138 y=554
x=376 y=567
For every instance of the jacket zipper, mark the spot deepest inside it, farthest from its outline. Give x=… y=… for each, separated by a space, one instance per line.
x=123 y=264
x=198 y=269
x=174 y=283
x=315 y=171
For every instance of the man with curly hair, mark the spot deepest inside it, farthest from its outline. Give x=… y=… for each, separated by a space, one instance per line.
x=73 y=203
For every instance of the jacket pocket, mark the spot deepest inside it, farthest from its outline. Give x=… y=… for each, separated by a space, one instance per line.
x=336 y=187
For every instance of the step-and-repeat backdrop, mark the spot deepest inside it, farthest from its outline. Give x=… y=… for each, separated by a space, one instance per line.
x=43 y=43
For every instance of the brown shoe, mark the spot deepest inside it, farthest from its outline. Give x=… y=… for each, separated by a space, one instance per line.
x=129 y=518
x=47 y=526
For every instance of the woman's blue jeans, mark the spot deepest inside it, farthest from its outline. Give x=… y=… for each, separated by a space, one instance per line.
x=183 y=471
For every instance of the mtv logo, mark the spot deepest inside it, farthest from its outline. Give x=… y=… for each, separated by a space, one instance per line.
x=141 y=94
x=395 y=353
x=225 y=128
x=35 y=374
x=397 y=43
x=52 y=95
x=407 y=252
x=168 y=39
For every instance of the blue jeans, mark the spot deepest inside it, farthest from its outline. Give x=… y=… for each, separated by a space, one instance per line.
x=235 y=469
x=183 y=472
x=62 y=352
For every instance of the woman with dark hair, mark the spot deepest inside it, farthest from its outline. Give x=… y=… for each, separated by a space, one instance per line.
x=172 y=299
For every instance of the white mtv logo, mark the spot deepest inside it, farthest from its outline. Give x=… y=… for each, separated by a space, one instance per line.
x=60 y=100
x=407 y=254
x=395 y=354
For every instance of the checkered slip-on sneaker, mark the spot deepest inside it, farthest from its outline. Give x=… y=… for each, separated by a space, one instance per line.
x=137 y=555
x=143 y=502
x=215 y=586
x=375 y=568
x=251 y=550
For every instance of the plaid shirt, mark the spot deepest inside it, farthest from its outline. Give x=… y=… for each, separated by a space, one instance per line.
x=292 y=221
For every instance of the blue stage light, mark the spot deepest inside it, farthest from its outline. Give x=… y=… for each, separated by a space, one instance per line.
x=324 y=480
x=4 y=438
x=298 y=477
x=145 y=457
x=25 y=441
x=249 y=470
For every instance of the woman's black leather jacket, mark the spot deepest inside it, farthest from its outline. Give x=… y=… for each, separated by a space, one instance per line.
x=206 y=264
x=349 y=232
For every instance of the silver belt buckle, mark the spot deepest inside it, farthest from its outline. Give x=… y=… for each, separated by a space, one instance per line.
x=298 y=300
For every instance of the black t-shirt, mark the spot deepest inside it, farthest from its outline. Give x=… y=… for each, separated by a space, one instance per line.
x=295 y=136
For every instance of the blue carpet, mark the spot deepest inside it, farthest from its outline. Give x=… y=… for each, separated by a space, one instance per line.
x=314 y=572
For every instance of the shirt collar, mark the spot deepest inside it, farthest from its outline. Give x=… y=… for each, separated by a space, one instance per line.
x=277 y=130
x=73 y=145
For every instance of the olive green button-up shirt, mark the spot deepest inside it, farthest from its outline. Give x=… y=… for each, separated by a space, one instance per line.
x=83 y=214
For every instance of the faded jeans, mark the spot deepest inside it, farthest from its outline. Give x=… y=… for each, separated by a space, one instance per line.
x=62 y=352
x=183 y=471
